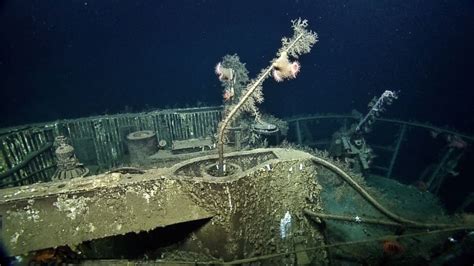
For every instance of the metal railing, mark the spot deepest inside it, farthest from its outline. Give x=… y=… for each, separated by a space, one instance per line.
x=27 y=154
x=98 y=140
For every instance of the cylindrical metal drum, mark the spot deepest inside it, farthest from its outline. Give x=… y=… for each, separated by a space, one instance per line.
x=141 y=144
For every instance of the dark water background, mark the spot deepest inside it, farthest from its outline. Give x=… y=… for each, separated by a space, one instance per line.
x=66 y=59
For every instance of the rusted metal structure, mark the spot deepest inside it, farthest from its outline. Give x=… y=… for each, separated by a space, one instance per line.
x=68 y=166
x=244 y=217
x=397 y=134
x=26 y=157
x=242 y=212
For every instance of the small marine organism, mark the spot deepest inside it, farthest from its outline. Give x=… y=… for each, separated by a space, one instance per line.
x=421 y=186
x=455 y=141
x=224 y=74
x=392 y=248
x=434 y=133
x=52 y=256
x=285 y=224
x=357 y=219
x=228 y=95
x=283 y=68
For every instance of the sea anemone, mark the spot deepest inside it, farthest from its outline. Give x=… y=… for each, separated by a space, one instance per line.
x=392 y=248
x=284 y=69
x=228 y=94
x=224 y=74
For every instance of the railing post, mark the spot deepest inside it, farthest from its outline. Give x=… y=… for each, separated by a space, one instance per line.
x=298 y=133
x=395 y=152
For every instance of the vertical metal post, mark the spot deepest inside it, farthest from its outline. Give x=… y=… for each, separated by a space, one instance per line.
x=298 y=133
x=396 y=151
x=434 y=181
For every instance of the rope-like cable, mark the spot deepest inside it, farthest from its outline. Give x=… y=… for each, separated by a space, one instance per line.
x=395 y=217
